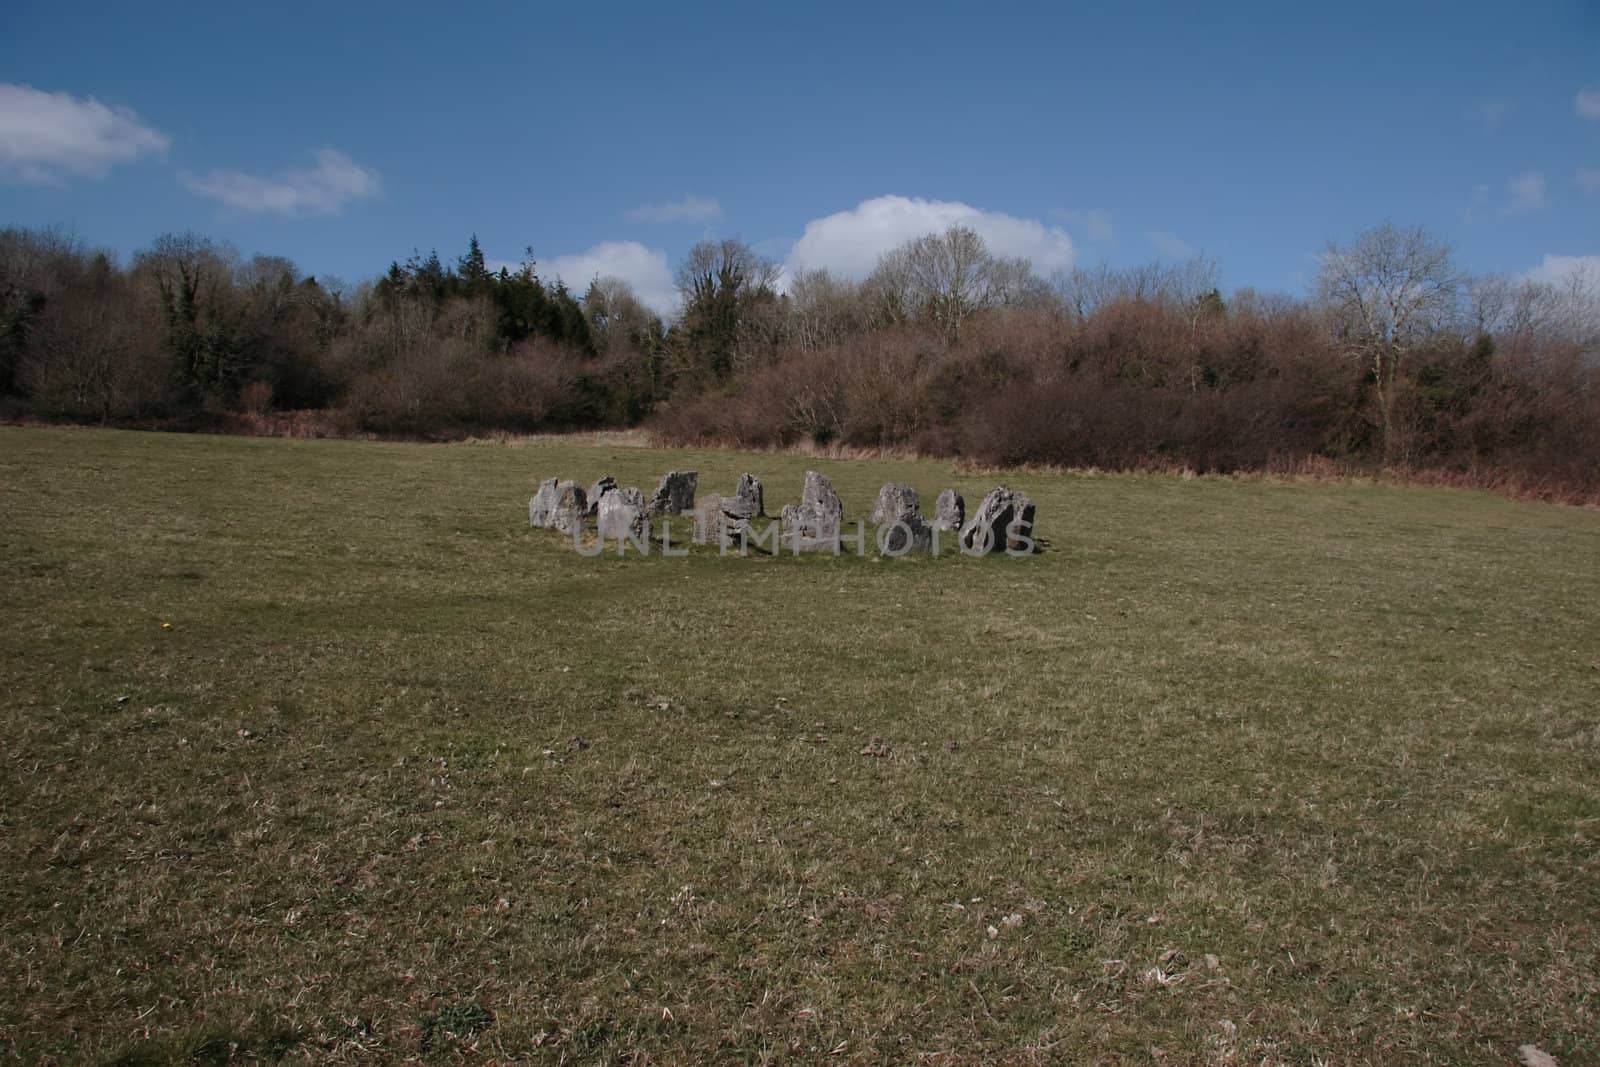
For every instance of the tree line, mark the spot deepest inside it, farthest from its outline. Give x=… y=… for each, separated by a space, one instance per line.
x=1396 y=358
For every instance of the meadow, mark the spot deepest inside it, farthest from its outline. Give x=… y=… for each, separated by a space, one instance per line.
x=313 y=751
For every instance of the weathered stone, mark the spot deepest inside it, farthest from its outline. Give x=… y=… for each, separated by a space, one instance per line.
x=1003 y=515
x=722 y=519
x=895 y=501
x=749 y=488
x=737 y=512
x=707 y=517
x=898 y=516
x=557 y=505
x=819 y=499
x=623 y=514
x=542 y=503
x=814 y=522
x=675 y=494
x=598 y=490
x=949 y=511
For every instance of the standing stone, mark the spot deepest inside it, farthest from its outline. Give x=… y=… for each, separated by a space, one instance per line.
x=898 y=516
x=749 y=489
x=598 y=490
x=707 y=517
x=895 y=501
x=675 y=494
x=815 y=521
x=949 y=511
x=543 y=502
x=737 y=511
x=557 y=505
x=623 y=513
x=990 y=526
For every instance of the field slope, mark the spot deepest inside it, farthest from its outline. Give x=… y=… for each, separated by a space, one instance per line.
x=1236 y=772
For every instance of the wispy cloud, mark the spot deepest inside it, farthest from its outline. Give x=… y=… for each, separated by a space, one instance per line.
x=1587 y=104
x=325 y=189
x=1527 y=193
x=849 y=243
x=1477 y=205
x=1094 y=222
x=691 y=209
x=1170 y=245
x=1492 y=112
x=47 y=137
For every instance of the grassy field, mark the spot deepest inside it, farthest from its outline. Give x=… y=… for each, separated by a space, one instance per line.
x=1237 y=772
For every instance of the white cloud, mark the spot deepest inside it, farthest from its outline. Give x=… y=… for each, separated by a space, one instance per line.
x=1527 y=193
x=1588 y=104
x=849 y=242
x=645 y=269
x=1095 y=222
x=324 y=189
x=1589 y=179
x=45 y=137
x=1565 y=270
x=1170 y=245
x=695 y=209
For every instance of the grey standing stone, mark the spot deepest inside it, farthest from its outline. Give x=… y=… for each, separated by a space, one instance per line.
x=598 y=490
x=749 y=489
x=543 y=502
x=814 y=522
x=949 y=511
x=675 y=494
x=723 y=520
x=571 y=507
x=898 y=516
x=623 y=514
x=895 y=501
x=707 y=517
x=989 y=530
x=557 y=505
x=737 y=512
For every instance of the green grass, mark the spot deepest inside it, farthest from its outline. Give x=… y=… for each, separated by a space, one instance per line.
x=1236 y=772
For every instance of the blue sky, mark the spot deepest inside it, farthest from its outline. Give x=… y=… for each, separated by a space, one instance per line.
x=611 y=137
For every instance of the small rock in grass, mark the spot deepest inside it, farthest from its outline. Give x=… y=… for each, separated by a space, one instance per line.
x=877 y=748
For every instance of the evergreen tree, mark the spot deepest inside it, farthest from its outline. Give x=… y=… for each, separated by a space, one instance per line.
x=474 y=272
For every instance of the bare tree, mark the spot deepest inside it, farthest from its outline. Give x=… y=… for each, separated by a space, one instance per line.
x=1531 y=320
x=951 y=275
x=618 y=319
x=824 y=309
x=94 y=351
x=1390 y=289
x=1082 y=291
x=947 y=278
